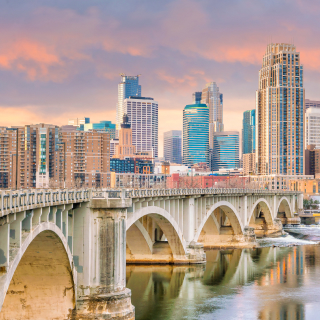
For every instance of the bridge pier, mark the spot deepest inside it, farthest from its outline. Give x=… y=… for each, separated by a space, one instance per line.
x=102 y=292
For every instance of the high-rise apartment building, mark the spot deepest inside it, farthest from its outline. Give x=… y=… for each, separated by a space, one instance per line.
x=128 y=87
x=195 y=134
x=249 y=164
x=249 y=132
x=214 y=100
x=280 y=112
x=143 y=118
x=225 y=150
x=172 y=146
x=29 y=156
x=85 y=158
x=196 y=97
x=311 y=104
x=312 y=124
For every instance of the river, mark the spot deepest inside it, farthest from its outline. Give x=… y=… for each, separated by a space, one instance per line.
x=279 y=281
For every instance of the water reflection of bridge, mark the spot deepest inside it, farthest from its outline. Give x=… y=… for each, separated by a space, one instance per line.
x=225 y=271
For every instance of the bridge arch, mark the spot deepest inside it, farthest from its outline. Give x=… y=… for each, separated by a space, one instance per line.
x=267 y=212
x=230 y=212
x=284 y=206
x=40 y=283
x=166 y=223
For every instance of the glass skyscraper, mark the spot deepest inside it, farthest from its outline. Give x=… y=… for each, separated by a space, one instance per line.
x=129 y=86
x=195 y=134
x=172 y=146
x=249 y=132
x=225 y=150
x=280 y=112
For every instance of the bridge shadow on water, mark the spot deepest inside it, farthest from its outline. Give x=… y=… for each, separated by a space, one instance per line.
x=262 y=283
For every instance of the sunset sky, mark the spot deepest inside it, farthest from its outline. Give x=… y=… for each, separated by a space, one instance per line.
x=61 y=59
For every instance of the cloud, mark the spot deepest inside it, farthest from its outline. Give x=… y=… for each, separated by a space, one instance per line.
x=62 y=59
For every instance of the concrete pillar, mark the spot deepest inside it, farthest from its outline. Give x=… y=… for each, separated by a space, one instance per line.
x=106 y=295
x=189 y=219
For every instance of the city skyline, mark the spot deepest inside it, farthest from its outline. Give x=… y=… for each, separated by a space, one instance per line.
x=47 y=79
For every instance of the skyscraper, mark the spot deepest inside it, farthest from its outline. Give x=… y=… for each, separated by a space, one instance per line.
x=195 y=134
x=143 y=118
x=172 y=146
x=214 y=100
x=313 y=127
x=129 y=86
x=225 y=150
x=196 y=97
x=249 y=132
x=280 y=112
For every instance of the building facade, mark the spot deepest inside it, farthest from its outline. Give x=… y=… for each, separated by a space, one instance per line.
x=214 y=100
x=312 y=160
x=280 y=112
x=78 y=121
x=311 y=103
x=225 y=150
x=125 y=148
x=312 y=124
x=143 y=118
x=249 y=164
x=195 y=134
x=84 y=158
x=102 y=126
x=129 y=86
x=172 y=141
x=249 y=132
x=196 y=97
x=29 y=156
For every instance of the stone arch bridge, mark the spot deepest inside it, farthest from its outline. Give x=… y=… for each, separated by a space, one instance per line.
x=63 y=252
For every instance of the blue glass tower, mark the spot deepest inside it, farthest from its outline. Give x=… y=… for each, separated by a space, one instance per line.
x=195 y=134
x=128 y=87
x=225 y=150
x=249 y=132
x=104 y=126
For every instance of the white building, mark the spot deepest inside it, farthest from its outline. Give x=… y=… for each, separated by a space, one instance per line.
x=313 y=127
x=113 y=146
x=143 y=118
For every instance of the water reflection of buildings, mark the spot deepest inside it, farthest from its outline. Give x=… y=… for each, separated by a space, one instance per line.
x=169 y=292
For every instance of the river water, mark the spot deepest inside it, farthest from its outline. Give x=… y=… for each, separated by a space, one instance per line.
x=279 y=281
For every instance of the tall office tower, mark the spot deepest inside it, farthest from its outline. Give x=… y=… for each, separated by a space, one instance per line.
x=196 y=97
x=249 y=132
x=280 y=112
x=172 y=146
x=125 y=148
x=214 y=100
x=313 y=127
x=143 y=118
x=78 y=121
x=128 y=87
x=225 y=150
x=85 y=157
x=195 y=134
x=29 y=156
x=311 y=104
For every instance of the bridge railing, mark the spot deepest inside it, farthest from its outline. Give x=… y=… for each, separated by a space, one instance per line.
x=12 y=201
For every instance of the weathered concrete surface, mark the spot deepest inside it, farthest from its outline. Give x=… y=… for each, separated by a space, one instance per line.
x=42 y=287
x=103 y=294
